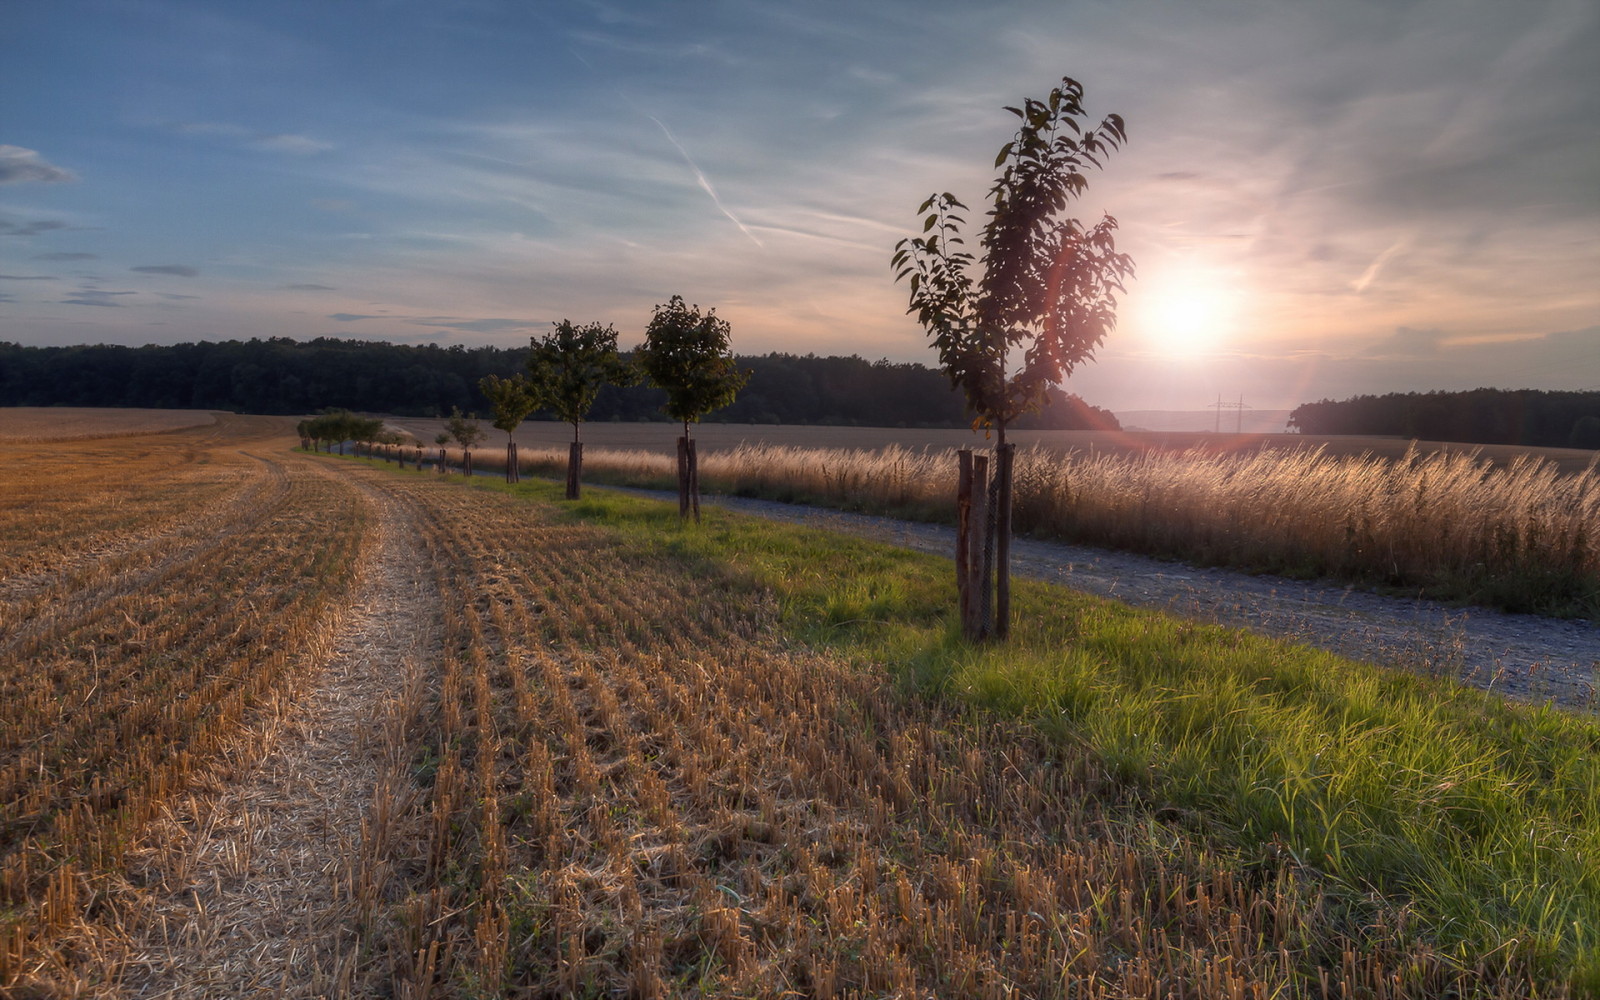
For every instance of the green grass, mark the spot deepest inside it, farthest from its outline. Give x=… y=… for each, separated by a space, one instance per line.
x=1479 y=817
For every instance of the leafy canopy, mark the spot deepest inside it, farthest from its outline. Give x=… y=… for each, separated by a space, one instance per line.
x=1047 y=284
x=690 y=356
x=568 y=366
x=464 y=429
x=511 y=398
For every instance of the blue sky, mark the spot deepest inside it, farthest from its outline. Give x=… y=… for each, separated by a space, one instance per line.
x=1322 y=198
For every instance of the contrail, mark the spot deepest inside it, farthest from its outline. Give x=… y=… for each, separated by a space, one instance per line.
x=1371 y=273
x=705 y=182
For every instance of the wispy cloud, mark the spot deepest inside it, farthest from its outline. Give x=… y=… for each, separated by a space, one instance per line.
x=275 y=142
x=479 y=325
x=309 y=288
x=30 y=228
x=180 y=270
x=23 y=166
x=94 y=297
x=28 y=277
x=66 y=256
x=352 y=317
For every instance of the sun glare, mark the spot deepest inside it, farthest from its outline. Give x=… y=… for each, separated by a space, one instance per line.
x=1185 y=315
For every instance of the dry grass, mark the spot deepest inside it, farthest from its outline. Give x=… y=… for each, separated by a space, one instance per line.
x=636 y=787
x=1521 y=534
x=32 y=424
x=132 y=652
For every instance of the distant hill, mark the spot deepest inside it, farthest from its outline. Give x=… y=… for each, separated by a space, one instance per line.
x=1254 y=421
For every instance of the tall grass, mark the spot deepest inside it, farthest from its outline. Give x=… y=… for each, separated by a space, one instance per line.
x=1451 y=525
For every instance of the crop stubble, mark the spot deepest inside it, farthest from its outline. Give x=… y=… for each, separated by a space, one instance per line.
x=633 y=782
x=127 y=671
x=637 y=787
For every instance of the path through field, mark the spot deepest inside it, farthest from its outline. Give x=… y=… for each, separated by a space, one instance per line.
x=279 y=873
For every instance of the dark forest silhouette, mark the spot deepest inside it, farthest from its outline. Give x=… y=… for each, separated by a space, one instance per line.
x=284 y=376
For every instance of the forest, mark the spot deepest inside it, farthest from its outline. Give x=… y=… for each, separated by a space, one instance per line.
x=1481 y=416
x=285 y=376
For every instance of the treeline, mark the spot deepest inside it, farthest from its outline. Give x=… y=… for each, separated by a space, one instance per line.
x=1481 y=416
x=285 y=376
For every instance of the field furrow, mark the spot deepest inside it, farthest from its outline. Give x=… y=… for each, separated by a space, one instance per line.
x=124 y=683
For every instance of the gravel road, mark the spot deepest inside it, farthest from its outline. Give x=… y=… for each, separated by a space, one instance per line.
x=1522 y=656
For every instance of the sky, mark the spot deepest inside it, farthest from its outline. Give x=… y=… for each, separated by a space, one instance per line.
x=1321 y=199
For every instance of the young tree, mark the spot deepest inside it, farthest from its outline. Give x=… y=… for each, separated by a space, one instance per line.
x=467 y=433
x=1010 y=327
x=512 y=399
x=566 y=369
x=690 y=356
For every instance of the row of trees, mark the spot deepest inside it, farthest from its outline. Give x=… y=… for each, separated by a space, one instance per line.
x=295 y=377
x=1481 y=416
x=686 y=354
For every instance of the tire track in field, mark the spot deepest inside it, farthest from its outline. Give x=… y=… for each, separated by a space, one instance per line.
x=275 y=882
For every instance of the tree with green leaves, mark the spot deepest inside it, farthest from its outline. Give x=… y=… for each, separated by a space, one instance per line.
x=567 y=368
x=512 y=399
x=1012 y=325
x=465 y=431
x=689 y=355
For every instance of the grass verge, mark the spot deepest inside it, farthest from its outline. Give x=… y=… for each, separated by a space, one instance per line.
x=1473 y=820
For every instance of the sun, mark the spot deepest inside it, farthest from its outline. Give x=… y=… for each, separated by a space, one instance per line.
x=1186 y=314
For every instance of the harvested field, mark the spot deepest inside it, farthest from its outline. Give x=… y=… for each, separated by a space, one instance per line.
x=414 y=738
x=135 y=647
x=76 y=423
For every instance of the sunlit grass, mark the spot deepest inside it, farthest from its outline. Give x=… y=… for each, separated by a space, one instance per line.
x=1451 y=525
x=1479 y=817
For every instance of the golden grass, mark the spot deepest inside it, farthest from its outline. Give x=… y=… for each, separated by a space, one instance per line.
x=636 y=787
x=132 y=651
x=1520 y=534
x=79 y=423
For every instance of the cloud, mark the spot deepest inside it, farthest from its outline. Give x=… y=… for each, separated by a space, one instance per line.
x=27 y=277
x=275 y=142
x=23 y=166
x=181 y=270
x=66 y=256
x=170 y=295
x=30 y=228
x=1407 y=342
x=299 y=145
x=480 y=325
x=352 y=317
x=309 y=288
x=94 y=297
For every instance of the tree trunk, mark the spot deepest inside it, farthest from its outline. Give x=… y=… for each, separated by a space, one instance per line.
x=574 y=470
x=683 y=477
x=466 y=463
x=694 y=480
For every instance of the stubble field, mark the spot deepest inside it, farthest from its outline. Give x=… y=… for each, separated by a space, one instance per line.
x=617 y=766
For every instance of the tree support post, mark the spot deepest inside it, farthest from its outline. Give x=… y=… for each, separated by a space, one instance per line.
x=574 y=470
x=1004 y=460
